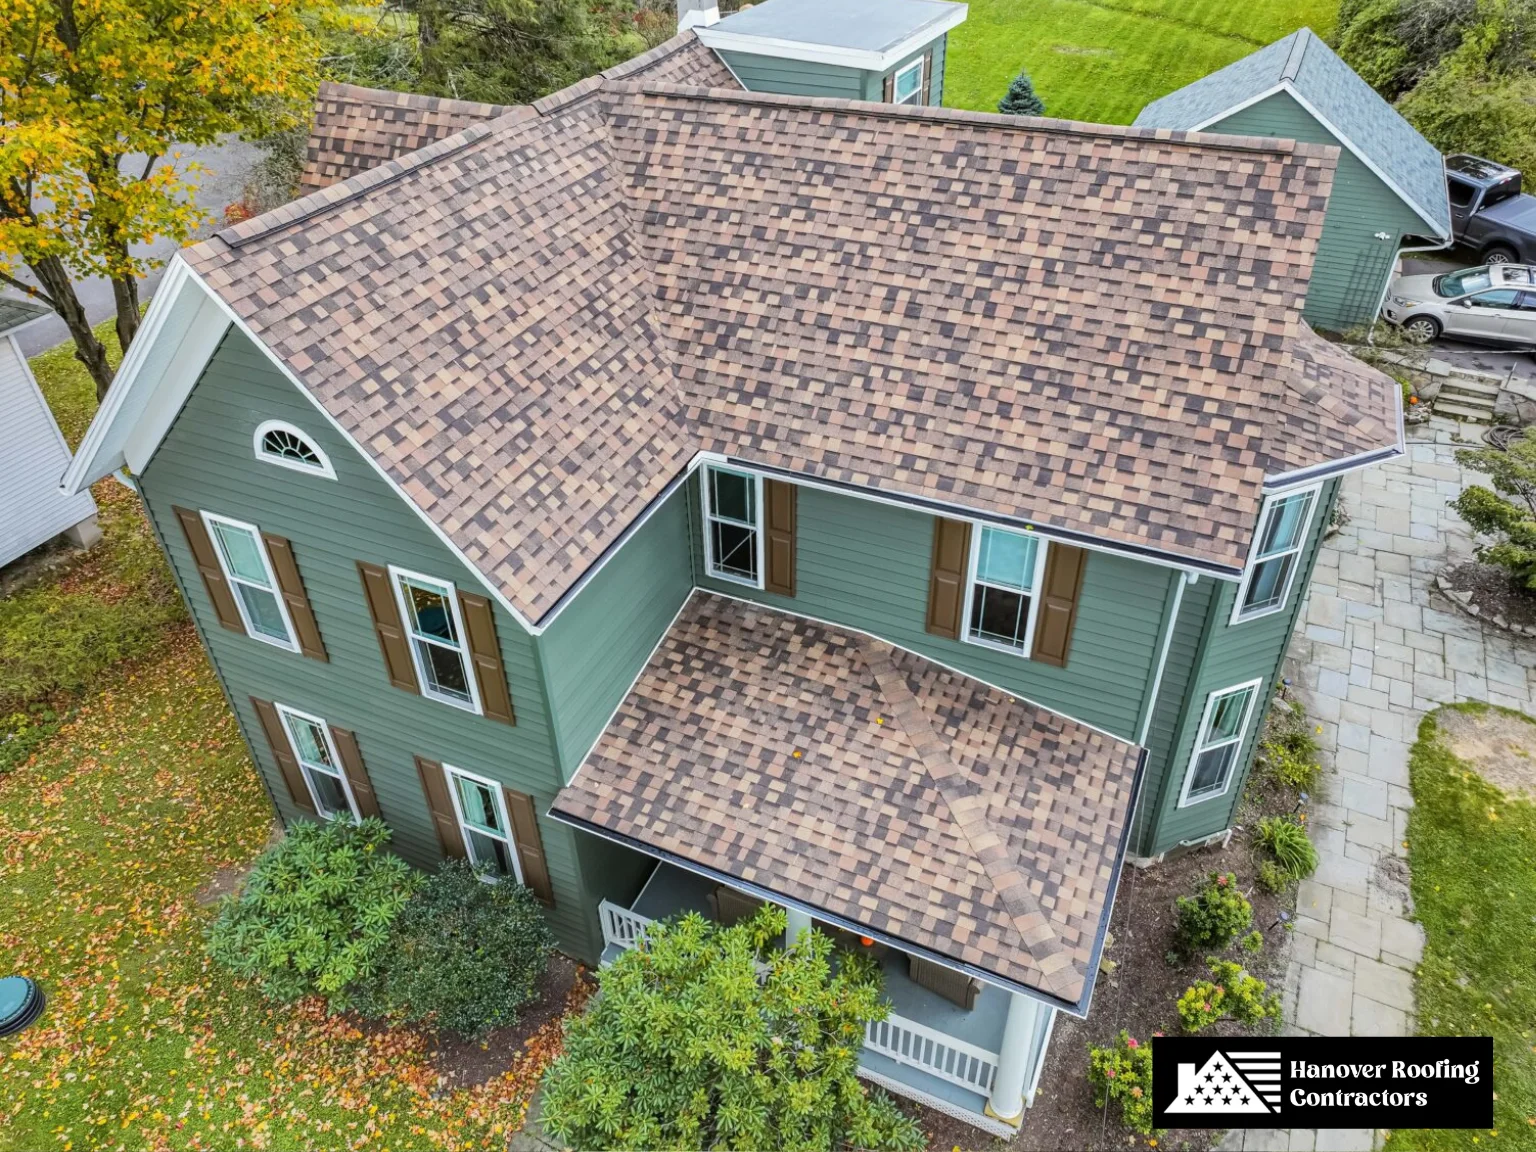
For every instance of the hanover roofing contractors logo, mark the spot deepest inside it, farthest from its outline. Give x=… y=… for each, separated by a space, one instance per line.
x=1229 y=1082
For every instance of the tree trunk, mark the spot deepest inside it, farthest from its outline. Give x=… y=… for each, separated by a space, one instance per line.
x=91 y=352
x=125 y=293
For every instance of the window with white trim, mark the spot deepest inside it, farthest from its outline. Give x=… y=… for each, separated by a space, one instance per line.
x=482 y=813
x=310 y=738
x=907 y=85
x=1001 y=593
x=278 y=442
x=733 y=527
x=244 y=561
x=1219 y=743
x=430 y=609
x=1276 y=554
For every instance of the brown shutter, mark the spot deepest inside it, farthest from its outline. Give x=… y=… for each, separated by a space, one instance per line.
x=207 y=562
x=357 y=775
x=779 y=524
x=530 y=847
x=292 y=587
x=1057 y=613
x=927 y=78
x=434 y=782
x=387 y=626
x=480 y=624
x=890 y=87
x=946 y=578
x=282 y=752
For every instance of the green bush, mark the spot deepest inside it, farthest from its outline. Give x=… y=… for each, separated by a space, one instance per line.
x=1508 y=512
x=1215 y=917
x=316 y=912
x=1286 y=840
x=1232 y=993
x=688 y=1047
x=1122 y=1072
x=1273 y=878
x=464 y=954
x=1254 y=941
x=1288 y=747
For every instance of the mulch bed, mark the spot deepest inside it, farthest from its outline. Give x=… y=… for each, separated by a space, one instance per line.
x=1493 y=593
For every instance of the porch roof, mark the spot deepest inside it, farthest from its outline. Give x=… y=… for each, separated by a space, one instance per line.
x=872 y=786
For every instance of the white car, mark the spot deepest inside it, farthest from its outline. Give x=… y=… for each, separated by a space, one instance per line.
x=1496 y=302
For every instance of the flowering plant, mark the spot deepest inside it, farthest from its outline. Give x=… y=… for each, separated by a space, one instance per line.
x=1123 y=1072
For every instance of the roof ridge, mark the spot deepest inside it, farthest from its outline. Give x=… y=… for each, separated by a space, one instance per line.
x=390 y=97
x=1299 y=42
x=969 y=815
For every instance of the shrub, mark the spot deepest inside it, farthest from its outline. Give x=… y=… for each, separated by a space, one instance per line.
x=1286 y=840
x=1215 y=917
x=316 y=912
x=464 y=954
x=1231 y=994
x=1254 y=941
x=1122 y=1072
x=1509 y=510
x=1021 y=98
x=1288 y=748
x=1273 y=878
x=687 y=1047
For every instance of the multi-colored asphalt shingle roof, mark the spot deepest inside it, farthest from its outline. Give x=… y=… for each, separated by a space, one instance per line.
x=534 y=324
x=871 y=784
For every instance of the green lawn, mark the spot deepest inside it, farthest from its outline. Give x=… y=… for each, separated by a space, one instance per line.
x=1472 y=851
x=1103 y=60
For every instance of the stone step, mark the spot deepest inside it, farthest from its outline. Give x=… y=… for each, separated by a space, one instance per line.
x=1469 y=399
x=1472 y=384
x=1455 y=411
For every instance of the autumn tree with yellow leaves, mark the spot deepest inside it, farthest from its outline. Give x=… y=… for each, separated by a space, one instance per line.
x=96 y=96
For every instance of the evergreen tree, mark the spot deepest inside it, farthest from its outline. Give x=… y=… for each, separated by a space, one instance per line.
x=1021 y=99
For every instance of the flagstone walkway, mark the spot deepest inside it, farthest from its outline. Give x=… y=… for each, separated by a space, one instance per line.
x=1376 y=652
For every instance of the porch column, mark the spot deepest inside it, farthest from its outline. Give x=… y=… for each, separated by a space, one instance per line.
x=1007 y=1102
x=797 y=921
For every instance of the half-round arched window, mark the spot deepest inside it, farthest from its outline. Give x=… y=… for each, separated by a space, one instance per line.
x=282 y=444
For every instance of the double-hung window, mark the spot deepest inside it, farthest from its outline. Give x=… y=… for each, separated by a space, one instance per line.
x=1001 y=595
x=733 y=529
x=907 y=85
x=310 y=737
x=430 y=610
x=482 y=813
x=246 y=565
x=1276 y=554
x=1219 y=743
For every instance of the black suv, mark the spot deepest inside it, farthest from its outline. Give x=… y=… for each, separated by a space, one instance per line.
x=1489 y=212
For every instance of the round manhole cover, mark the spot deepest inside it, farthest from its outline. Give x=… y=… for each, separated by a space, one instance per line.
x=21 y=1002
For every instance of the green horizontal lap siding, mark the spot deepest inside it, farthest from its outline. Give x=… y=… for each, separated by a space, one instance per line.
x=865 y=565
x=1232 y=655
x=597 y=645
x=207 y=462
x=1352 y=265
x=795 y=77
x=874 y=82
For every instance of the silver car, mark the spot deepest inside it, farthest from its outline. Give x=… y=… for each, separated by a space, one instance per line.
x=1495 y=303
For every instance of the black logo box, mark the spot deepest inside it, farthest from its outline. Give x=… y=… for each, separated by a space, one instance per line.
x=1327 y=1082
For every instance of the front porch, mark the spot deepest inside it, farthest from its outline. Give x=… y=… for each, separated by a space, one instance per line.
x=930 y=1049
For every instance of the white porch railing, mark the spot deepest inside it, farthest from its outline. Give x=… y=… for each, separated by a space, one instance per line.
x=621 y=926
x=908 y=1042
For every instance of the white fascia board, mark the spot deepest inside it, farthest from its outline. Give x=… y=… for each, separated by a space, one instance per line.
x=866 y=59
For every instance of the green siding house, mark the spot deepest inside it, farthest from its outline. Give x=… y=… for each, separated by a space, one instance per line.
x=1389 y=192
x=673 y=498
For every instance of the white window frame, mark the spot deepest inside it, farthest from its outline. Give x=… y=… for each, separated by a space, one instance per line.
x=449 y=772
x=917 y=92
x=396 y=576
x=287 y=715
x=1270 y=502
x=322 y=469
x=1242 y=738
x=209 y=520
x=1042 y=545
x=757 y=505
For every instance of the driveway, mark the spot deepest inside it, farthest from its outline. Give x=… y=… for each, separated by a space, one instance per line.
x=228 y=164
x=1460 y=353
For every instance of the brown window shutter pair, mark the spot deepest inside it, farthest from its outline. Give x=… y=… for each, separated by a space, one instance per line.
x=779 y=502
x=1059 y=591
x=479 y=625
x=525 y=827
x=346 y=748
x=284 y=567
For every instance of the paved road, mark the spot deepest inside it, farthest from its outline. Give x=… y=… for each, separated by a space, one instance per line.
x=227 y=163
x=1460 y=353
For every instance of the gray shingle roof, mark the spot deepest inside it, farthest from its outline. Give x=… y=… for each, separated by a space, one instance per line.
x=1310 y=70
x=14 y=312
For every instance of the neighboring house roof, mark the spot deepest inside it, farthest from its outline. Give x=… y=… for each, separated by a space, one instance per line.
x=16 y=311
x=356 y=129
x=1306 y=68
x=870 y=785
x=870 y=34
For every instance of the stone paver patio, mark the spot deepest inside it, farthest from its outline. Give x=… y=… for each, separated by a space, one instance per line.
x=1374 y=654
